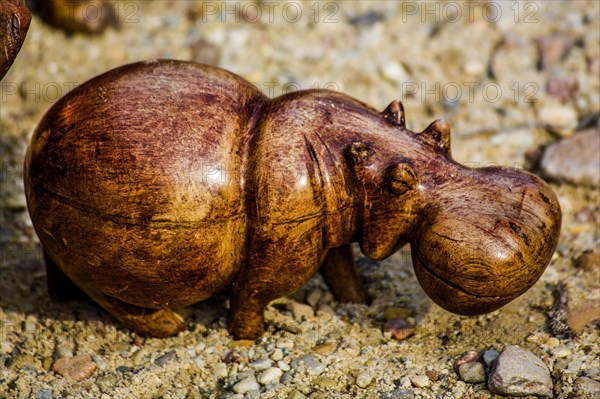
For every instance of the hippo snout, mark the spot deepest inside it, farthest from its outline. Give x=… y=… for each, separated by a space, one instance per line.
x=487 y=244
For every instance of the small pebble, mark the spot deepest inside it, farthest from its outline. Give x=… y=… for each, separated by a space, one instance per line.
x=561 y=88
x=432 y=375
x=283 y=365
x=325 y=382
x=395 y=72
x=325 y=349
x=313 y=366
x=270 y=376
x=363 y=380
x=575 y=159
x=277 y=355
x=100 y=362
x=472 y=372
x=559 y=118
x=47 y=363
x=62 y=351
x=167 y=357
x=589 y=261
x=552 y=342
x=139 y=357
x=76 y=368
x=552 y=48
x=366 y=19
x=6 y=347
x=587 y=386
x=44 y=394
x=314 y=296
x=296 y=394
x=107 y=382
x=397 y=394
x=561 y=351
x=246 y=385
x=261 y=364
x=204 y=52
x=468 y=357
x=420 y=381
x=124 y=369
x=301 y=311
x=474 y=68
x=399 y=328
x=519 y=372
x=285 y=344
x=489 y=357
x=583 y=315
x=220 y=370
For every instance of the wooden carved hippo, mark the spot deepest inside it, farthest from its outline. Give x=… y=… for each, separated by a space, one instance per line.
x=159 y=184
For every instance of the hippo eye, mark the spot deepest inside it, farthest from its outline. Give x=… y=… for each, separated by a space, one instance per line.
x=401 y=178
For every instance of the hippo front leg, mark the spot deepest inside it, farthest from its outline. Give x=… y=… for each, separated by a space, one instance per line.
x=282 y=259
x=341 y=275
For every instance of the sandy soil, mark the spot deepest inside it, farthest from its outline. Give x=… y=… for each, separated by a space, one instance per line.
x=477 y=66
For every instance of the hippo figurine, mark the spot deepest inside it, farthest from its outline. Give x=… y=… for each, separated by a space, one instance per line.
x=158 y=184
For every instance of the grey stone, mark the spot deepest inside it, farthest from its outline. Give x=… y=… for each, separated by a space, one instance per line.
x=313 y=366
x=420 y=381
x=519 y=372
x=472 y=372
x=220 y=370
x=261 y=364
x=489 y=357
x=397 y=394
x=107 y=383
x=587 y=386
x=246 y=385
x=301 y=311
x=270 y=376
x=363 y=380
x=287 y=377
x=296 y=394
x=44 y=394
x=62 y=351
x=161 y=360
x=575 y=159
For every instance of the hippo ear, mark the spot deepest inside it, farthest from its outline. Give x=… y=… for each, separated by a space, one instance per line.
x=394 y=113
x=401 y=178
x=438 y=133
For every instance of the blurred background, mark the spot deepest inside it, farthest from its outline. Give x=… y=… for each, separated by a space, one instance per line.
x=519 y=82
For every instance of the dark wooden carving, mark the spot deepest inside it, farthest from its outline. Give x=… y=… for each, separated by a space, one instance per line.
x=158 y=184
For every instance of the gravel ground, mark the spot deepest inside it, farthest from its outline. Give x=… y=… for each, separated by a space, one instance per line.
x=512 y=78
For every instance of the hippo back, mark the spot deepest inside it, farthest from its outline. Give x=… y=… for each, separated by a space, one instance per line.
x=135 y=184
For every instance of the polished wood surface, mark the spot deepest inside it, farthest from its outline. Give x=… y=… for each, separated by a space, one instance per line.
x=14 y=24
x=160 y=183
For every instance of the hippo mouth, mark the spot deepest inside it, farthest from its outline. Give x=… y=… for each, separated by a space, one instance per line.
x=431 y=273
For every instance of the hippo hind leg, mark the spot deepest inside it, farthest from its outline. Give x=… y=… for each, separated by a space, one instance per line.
x=158 y=323
x=149 y=322
x=60 y=287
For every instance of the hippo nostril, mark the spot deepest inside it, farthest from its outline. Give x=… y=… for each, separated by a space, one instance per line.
x=544 y=197
x=519 y=231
